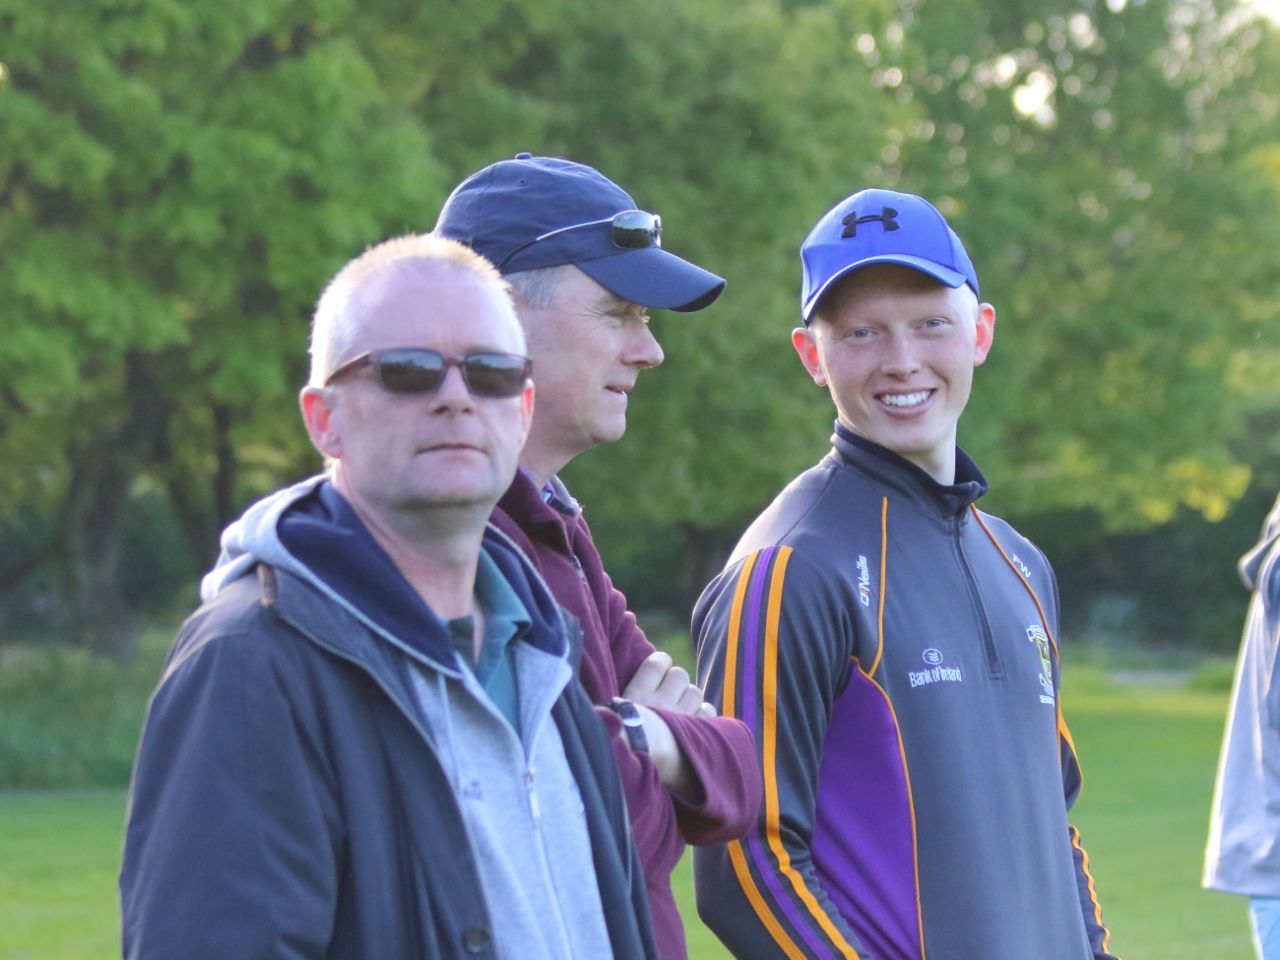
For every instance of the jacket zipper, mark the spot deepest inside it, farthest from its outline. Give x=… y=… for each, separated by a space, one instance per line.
x=409 y=714
x=535 y=811
x=995 y=668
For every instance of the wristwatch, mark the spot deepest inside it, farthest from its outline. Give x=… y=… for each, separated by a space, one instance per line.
x=632 y=723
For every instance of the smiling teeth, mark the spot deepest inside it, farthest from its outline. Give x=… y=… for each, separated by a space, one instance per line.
x=906 y=399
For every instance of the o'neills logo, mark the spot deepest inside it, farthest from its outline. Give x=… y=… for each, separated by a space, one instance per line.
x=936 y=672
x=864 y=581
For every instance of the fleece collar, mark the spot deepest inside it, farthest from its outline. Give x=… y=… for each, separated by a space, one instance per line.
x=541 y=520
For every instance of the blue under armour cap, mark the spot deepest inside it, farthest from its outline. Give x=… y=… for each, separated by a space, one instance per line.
x=533 y=212
x=881 y=226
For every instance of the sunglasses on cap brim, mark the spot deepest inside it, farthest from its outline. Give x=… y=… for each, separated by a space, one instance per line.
x=410 y=370
x=628 y=230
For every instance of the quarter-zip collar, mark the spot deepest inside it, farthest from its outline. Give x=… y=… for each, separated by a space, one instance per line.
x=900 y=475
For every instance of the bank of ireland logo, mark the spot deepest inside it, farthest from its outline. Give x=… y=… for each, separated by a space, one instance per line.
x=864 y=581
x=935 y=671
x=1036 y=634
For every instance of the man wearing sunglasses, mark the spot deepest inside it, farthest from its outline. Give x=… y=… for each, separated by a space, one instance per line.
x=368 y=742
x=586 y=265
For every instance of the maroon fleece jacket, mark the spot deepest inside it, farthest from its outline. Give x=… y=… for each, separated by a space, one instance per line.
x=719 y=750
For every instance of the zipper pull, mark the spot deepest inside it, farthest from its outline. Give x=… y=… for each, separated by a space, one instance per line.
x=533 y=796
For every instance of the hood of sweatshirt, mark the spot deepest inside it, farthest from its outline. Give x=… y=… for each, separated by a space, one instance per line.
x=1260 y=566
x=1251 y=563
x=310 y=531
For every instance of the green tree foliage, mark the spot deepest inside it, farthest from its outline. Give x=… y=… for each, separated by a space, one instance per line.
x=1104 y=160
x=1113 y=168
x=740 y=122
x=177 y=181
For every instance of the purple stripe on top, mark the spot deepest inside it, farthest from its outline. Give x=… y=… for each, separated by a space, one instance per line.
x=749 y=649
x=749 y=657
x=863 y=840
x=783 y=896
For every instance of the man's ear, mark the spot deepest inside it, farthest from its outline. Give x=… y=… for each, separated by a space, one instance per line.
x=806 y=343
x=317 y=405
x=986 y=330
x=526 y=406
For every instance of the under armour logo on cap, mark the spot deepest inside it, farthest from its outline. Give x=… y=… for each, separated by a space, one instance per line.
x=913 y=233
x=887 y=215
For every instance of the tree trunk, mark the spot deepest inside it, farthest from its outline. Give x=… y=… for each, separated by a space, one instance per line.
x=224 y=480
x=91 y=561
x=97 y=498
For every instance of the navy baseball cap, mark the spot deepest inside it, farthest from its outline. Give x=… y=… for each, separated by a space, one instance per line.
x=535 y=212
x=881 y=226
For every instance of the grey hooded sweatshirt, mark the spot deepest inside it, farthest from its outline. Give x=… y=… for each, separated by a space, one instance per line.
x=526 y=829
x=1243 y=854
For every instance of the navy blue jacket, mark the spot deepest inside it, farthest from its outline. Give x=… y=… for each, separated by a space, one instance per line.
x=287 y=801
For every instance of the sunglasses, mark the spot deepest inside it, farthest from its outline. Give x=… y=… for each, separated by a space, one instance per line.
x=628 y=230
x=414 y=370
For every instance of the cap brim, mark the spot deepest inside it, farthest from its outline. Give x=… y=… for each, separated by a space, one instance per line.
x=944 y=275
x=656 y=279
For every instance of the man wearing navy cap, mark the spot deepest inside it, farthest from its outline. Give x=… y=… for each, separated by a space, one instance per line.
x=586 y=265
x=893 y=648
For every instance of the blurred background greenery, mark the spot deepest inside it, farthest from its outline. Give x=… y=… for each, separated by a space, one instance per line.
x=178 y=181
x=179 y=178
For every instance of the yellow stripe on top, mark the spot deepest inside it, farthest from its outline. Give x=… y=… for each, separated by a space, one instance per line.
x=769 y=739
x=1063 y=732
x=911 y=797
x=1017 y=573
x=758 y=904
x=741 y=870
x=902 y=747
x=1093 y=892
x=731 y=641
x=884 y=557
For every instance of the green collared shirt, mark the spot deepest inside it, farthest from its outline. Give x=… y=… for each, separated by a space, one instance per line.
x=505 y=621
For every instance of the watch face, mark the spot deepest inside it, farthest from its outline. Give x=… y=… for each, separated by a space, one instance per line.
x=632 y=722
x=627 y=711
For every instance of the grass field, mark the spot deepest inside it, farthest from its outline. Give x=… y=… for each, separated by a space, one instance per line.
x=1148 y=751
x=59 y=853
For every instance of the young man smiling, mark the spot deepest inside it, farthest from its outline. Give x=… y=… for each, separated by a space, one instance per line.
x=892 y=647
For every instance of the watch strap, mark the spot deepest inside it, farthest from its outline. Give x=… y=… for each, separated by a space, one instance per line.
x=632 y=723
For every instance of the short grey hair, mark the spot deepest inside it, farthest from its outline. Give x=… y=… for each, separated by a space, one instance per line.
x=537 y=288
x=335 y=324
